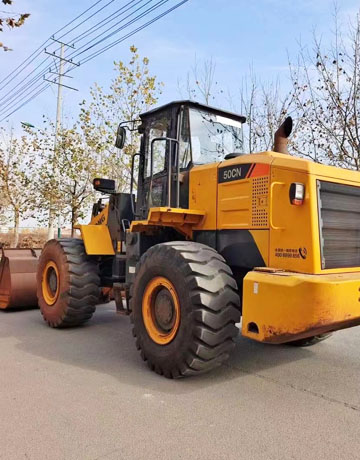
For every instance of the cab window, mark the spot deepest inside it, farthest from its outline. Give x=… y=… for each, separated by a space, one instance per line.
x=157 y=128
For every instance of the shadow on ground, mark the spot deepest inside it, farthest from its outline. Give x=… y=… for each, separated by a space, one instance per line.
x=106 y=345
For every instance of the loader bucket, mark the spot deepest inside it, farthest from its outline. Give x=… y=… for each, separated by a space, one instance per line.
x=18 y=277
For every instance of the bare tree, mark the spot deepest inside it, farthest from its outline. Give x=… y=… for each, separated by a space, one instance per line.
x=326 y=82
x=265 y=107
x=201 y=84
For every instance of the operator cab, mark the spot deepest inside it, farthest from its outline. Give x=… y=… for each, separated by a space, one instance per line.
x=176 y=137
x=205 y=134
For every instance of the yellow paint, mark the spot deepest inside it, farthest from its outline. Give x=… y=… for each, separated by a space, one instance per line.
x=252 y=203
x=49 y=295
x=293 y=227
x=149 y=314
x=97 y=240
x=101 y=218
x=244 y=203
x=203 y=194
x=287 y=305
x=119 y=246
x=259 y=203
x=183 y=220
x=234 y=205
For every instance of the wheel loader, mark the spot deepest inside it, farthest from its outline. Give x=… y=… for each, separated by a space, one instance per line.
x=212 y=236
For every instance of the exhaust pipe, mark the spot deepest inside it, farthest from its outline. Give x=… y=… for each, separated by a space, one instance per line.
x=281 y=136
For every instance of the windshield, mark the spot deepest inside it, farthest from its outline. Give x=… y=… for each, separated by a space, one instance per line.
x=213 y=136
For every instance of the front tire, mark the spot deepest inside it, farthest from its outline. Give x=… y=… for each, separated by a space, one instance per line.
x=185 y=305
x=67 y=283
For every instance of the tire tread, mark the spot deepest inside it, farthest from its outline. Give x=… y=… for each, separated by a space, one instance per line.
x=84 y=281
x=215 y=302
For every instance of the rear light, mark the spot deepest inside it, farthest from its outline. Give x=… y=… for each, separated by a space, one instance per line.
x=297 y=193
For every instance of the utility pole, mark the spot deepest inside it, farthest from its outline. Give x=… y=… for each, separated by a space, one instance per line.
x=58 y=123
x=58 y=80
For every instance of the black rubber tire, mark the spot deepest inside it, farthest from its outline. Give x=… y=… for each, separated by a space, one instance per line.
x=209 y=308
x=310 y=340
x=78 y=279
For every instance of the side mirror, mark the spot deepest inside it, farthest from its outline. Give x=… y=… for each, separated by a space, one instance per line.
x=120 y=137
x=104 y=185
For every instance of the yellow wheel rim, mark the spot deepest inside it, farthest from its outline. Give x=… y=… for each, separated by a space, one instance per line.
x=50 y=283
x=161 y=310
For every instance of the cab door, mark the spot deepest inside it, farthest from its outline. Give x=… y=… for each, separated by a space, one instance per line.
x=152 y=184
x=164 y=136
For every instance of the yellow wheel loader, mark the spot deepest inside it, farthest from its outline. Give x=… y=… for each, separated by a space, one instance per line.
x=212 y=236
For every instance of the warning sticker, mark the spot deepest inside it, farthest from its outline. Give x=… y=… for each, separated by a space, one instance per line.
x=291 y=253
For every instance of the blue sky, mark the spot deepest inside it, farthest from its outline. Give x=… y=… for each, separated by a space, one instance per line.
x=237 y=34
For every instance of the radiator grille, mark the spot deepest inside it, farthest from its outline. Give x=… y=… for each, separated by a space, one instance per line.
x=260 y=190
x=339 y=214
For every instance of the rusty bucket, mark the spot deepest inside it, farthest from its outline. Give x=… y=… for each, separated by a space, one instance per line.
x=18 y=277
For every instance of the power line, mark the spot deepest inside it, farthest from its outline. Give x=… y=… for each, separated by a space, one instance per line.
x=107 y=47
x=23 y=97
x=149 y=10
x=106 y=21
x=96 y=12
x=40 y=48
x=77 y=17
x=28 y=85
x=26 y=102
x=98 y=52
x=44 y=70
x=14 y=99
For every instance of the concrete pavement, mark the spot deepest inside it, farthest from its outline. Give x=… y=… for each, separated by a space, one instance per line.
x=85 y=393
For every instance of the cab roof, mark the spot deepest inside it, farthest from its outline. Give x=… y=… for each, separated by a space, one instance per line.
x=195 y=105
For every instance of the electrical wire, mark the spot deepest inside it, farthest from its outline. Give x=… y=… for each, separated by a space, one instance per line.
x=81 y=23
x=76 y=53
x=26 y=102
x=95 y=53
x=44 y=70
x=40 y=48
x=111 y=45
x=27 y=85
x=102 y=23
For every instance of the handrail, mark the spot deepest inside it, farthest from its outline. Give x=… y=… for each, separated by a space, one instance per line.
x=169 y=141
x=132 y=183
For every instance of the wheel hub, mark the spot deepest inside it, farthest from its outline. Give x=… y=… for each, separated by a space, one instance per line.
x=164 y=310
x=53 y=282
x=161 y=310
x=50 y=283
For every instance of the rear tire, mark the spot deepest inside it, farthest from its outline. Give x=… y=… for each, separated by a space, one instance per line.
x=67 y=283
x=195 y=279
x=309 y=341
